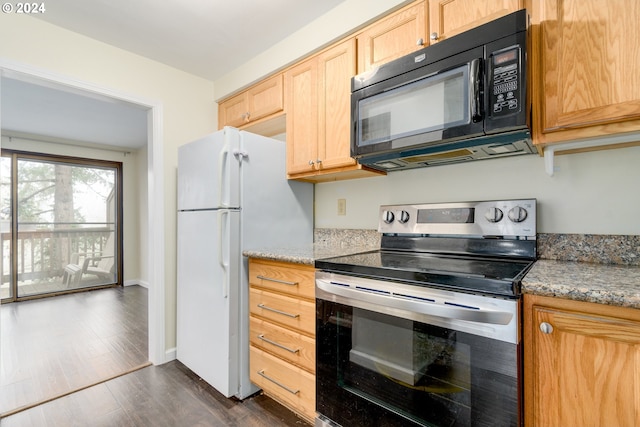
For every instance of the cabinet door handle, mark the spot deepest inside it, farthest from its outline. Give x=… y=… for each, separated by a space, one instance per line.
x=546 y=328
x=434 y=36
x=311 y=162
x=284 y=282
x=278 y=383
x=277 y=344
x=420 y=41
x=284 y=313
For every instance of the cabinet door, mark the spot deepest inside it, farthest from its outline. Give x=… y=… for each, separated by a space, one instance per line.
x=588 y=67
x=335 y=68
x=585 y=368
x=301 y=94
x=450 y=17
x=265 y=98
x=233 y=111
x=392 y=37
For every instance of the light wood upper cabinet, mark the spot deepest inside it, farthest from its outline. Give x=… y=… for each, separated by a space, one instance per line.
x=394 y=36
x=585 y=56
x=262 y=100
x=336 y=66
x=582 y=364
x=450 y=17
x=318 y=98
x=301 y=95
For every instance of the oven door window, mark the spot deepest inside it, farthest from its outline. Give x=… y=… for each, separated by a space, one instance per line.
x=430 y=104
x=375 y=370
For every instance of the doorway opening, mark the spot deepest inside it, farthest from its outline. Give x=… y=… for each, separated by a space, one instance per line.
x=154 y=232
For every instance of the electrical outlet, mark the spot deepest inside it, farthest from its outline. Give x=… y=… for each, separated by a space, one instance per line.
x=342 y=206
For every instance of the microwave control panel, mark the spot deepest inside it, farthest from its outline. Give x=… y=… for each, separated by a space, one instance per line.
x=505 y=74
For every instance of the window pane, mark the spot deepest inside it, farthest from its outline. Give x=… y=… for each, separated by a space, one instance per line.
x=66 y=226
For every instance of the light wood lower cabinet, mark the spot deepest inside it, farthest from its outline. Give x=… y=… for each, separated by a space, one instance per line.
x=288 y=384
x=282 y=359
x=582 y=363
x=284 y=310
x=285 y=343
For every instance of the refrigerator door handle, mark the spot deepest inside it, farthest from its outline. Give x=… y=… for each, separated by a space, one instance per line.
x=222 y=168
x=223 y=233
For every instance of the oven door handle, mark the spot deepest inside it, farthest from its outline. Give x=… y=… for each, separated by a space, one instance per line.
x=427 y=308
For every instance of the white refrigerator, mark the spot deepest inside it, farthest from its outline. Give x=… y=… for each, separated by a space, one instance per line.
x=232 y=194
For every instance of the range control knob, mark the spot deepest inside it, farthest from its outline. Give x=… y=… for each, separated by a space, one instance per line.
x=404 y=217
x=494 y=215
x=387 y=217
x=518 y=214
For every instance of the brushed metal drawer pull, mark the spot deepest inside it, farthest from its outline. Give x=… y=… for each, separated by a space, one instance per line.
x=284 y=282
x=284 y=313
x=290 y=350
x=278 y=383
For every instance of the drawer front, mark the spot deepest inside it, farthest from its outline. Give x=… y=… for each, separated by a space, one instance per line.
x=292 y=279
x=291 y=386
x=286 y=344
x=283 y=310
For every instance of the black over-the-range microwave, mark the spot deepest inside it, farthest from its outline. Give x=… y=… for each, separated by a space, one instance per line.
x=464 y=98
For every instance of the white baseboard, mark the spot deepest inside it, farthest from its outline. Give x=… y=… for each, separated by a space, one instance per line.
x=136 y=282
x=170 y=355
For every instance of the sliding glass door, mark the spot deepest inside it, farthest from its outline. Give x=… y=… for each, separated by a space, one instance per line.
x=6 y=271
x=62 y=231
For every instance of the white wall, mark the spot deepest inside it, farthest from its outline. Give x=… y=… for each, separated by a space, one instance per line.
x=188 y=110
x=590 y=193
x=130 y=190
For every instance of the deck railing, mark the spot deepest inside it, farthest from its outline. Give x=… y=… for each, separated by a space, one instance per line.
x=44 y=253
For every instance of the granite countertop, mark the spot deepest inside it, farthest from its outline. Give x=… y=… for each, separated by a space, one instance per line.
x=328 y=243
x=582 y=281
x=306 y=254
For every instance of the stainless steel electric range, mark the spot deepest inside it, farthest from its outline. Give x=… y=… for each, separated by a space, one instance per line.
x=425 y=331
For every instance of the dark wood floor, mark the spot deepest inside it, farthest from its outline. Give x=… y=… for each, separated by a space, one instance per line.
x=58 y=344
x=51 y=346
x=166 y=395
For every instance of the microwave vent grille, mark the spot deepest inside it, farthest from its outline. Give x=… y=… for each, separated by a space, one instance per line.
x=448 y=156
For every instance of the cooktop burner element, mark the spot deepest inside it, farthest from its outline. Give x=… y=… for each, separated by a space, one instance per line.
x=474 y=247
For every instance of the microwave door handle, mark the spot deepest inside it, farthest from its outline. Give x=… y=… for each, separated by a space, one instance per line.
x=475 y=79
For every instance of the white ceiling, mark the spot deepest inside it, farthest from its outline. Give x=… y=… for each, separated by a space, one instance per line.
x=36 y=108
x=207 y=38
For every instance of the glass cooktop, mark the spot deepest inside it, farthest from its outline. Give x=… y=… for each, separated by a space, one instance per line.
x=483 y=275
